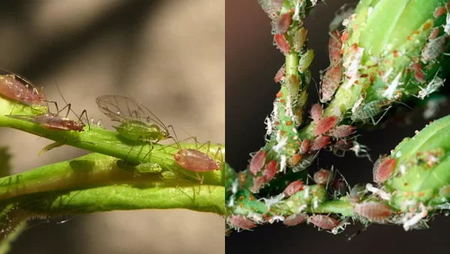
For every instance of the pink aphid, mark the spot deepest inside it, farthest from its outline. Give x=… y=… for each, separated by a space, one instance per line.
x=271 y=170
x=373 y=211
x=293 y=188
x=323 y=221
x=281 y=25
x=343 y=131
x=194 y=160
x=325 y=124
x=257 y=162
x=419 y=75
x=434 y=33
x=320 y=142
x=334 y=47
x=330 y=82
x=294 y=219
x=55 y=122
x=242 y=222
x=280 y=74
x=316 y=112
x=343 y=144
x=15 y=88
x=282 y=43
x=305 y=146
x=322 y=176
x=439 y=11
x=383 y=169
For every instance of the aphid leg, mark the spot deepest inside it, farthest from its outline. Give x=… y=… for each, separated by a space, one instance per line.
x=52 y=102
x=174 y=137
x=84 y=112
x=149 y=151
x=381 y=117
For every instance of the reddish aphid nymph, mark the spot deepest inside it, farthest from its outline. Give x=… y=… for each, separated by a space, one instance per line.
x=383 y=169
x=325 y=124
x=271 y=170
x=373 y=211
x=55 y=122
x=323 y=221
x=15 y=88
x=320 y=142
x=316 y=112
x=282 y=43
x=279 y=76
x=322 y=176
x=257 y=162
x=293 y=188
x=343 y=131
x=282 y=24
x=294 y=219
x=242 y=222
x=194 y=160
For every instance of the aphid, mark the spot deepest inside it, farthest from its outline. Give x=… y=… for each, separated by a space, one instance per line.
x=271 y=170
x=434 y=33
x=439 y=11
x=330 y=82
x=367 y=112
x=334 y=47
x=433 y=49
x=281 y=43
x=137 y=123
x=431 y=87
x=293 y=188
x=323 y=221
x=241 y=222
x=194 y=160
x=322 y=176
x=299 y=39
x=343 y=131
x=305 y=60
x=316 y=112
x=280 y=74
x=294 y=219
x=52 y=121
x=320 y=142
x=282 y=23
x=305 y=146
x=419 y=75
x=373 y=211
x=383 y=169
x=18 y=89
x=324 y=125
x=257 y=162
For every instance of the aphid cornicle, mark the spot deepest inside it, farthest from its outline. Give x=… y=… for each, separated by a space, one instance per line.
x=137 y=123
x=18 y=89
x=194 y=160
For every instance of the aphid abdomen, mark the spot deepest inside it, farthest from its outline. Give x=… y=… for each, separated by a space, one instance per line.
x=17 y=89
x=138 y=131
x=373 y=211
x=194 y=160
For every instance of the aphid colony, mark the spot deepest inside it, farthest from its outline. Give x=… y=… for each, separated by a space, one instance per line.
x=137 y=123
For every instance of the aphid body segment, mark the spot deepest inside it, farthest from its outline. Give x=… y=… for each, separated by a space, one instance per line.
x=52 y=121
x=293 y=188
x=18 y=89
x=194 y=160
x=322 y=176
x=137 y=123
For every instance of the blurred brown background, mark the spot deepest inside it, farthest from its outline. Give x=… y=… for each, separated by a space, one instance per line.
x=167 y=54
x=251 y=63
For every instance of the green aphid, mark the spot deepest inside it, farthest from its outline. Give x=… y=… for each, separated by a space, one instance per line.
x=137 y=123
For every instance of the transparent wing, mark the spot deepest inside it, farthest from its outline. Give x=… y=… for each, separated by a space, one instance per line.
x=121 y=108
